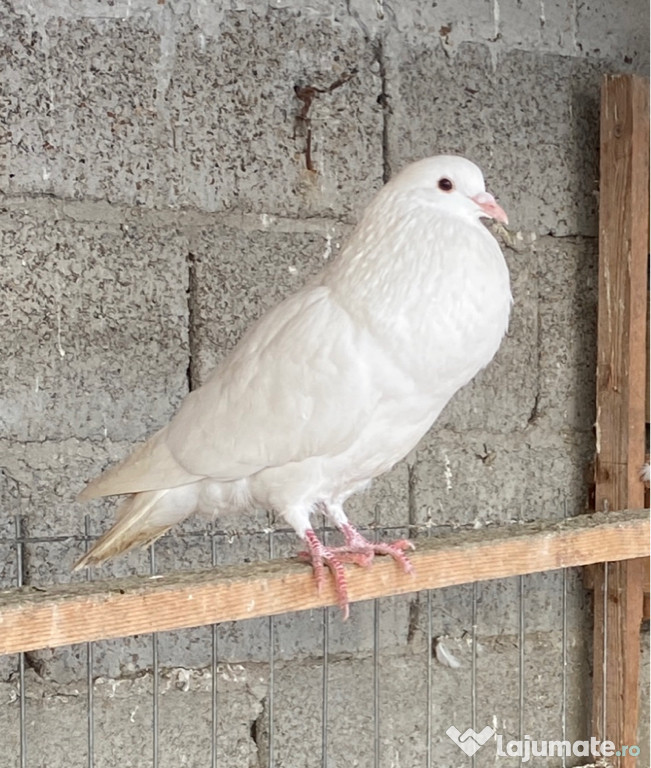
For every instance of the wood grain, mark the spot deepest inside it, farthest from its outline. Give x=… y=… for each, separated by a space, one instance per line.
x=621 y=379
x=33 y=618
x=623 y=256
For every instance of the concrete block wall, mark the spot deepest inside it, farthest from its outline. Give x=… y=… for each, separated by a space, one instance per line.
x=156 y=199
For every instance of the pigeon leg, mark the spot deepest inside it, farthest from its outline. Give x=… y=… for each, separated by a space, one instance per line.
x=319 y=556
x=360 y=550
x=357 y=550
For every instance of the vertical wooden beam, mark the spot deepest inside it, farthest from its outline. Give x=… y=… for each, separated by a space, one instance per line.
x=621 y=377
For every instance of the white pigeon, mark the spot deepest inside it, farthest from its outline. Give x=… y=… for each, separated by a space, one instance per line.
x=338 y=382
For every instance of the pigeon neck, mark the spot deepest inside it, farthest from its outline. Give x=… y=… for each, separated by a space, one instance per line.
x=397 y=255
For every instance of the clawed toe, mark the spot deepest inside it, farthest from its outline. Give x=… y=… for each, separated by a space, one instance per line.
x=355 y=542
x=358 y=551
x=319 y=556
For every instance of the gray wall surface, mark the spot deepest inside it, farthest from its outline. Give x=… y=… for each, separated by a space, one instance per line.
x=156 y=200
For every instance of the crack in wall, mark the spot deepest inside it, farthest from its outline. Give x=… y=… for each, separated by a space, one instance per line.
x=535 y=410
x=384 y=101
x=260 y=735
x=412 y=507
x=192 y=303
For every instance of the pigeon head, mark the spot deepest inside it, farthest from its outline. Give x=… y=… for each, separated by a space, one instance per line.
x=450 y=184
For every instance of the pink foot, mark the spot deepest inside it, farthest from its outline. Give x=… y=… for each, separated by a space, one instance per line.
x=357 y=544
x=319 y=556
x=357 y=550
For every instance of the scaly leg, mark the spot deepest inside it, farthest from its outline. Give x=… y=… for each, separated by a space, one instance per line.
x=319 y=556
x=357 y=550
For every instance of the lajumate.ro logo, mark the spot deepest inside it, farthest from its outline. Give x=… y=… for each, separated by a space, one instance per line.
x=470 y=741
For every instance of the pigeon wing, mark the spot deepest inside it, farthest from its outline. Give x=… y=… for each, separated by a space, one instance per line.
x=302 y=382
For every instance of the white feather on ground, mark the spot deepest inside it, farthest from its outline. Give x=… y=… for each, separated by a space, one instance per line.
x=337 y=383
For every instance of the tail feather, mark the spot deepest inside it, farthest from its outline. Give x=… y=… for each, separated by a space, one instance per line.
x=133 y=528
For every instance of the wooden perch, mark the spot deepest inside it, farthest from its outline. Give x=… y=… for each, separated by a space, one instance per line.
x=32 y=618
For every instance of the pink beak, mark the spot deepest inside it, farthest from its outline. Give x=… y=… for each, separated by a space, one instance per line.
x=490 y=208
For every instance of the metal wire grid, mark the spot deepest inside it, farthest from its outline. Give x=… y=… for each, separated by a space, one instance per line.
x=430 y=758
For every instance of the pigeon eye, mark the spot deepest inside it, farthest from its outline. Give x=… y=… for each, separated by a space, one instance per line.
x=445 y=185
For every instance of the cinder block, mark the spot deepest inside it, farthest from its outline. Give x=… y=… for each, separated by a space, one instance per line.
x=500 y=26
x=170 y=108
x=494 y=111
x=8 y=569
x=474 y=478
x=95 y=331
x=498 y=603
x=568 y=286
x=548 y=26
x=9 y=503
x=402 y=703
x=619 y=37
x=82 y=119
x=589 y=30
x=57 y=718
x=44 y=478
x=447 y=24
x=499 y=689
x=618 y=33
x=248 y=149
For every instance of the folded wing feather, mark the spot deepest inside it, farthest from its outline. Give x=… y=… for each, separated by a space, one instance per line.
x=299 y=384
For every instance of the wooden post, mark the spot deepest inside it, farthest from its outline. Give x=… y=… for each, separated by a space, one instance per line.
x=621 y=376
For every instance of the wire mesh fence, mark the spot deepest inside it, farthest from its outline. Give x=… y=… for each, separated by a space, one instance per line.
x=397 y=685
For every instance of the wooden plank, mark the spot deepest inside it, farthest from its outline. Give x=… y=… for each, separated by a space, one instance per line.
x=32 y=618
x=623 y=249
x=616 y=652
x=621 y=376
